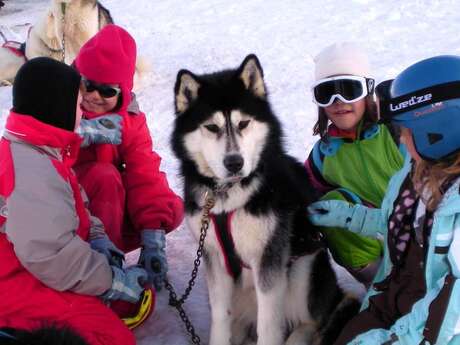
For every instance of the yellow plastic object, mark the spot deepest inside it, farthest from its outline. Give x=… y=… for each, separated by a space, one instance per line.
x=146 y=307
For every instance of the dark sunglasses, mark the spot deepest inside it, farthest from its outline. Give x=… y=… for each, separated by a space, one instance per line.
x=104 y=90
x=347 y=88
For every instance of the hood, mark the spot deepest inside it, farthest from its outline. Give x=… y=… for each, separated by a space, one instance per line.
x=29 y=130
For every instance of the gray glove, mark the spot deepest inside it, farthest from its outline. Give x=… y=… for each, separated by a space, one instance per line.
x=101 y=130
x=153 y=256
x=127 y=284
x=105 y=246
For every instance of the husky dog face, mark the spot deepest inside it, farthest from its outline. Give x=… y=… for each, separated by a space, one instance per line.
x=224 y=121
x=227 y=146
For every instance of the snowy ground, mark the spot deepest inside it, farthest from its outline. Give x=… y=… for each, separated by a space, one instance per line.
x=208 y=35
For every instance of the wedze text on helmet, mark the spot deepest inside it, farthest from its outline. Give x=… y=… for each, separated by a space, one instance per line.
x=414 y=100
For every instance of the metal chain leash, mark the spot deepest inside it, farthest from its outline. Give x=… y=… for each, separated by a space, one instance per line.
x=178 y=302
x=63 y=31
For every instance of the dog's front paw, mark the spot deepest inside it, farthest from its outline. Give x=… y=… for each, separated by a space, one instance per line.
x=302 y=335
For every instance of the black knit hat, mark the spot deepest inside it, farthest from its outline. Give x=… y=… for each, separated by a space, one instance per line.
x=47 y=90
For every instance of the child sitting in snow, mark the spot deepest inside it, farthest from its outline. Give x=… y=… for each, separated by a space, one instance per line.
x=415 y=295
x=51 y=271
x=355 y=157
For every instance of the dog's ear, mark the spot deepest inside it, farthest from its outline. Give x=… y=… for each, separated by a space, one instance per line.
x=252 y=75
x=185 y=90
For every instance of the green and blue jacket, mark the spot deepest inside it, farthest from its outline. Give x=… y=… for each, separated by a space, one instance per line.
x=357 y=170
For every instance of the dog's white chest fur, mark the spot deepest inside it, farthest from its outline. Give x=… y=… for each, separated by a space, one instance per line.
x=250 y=233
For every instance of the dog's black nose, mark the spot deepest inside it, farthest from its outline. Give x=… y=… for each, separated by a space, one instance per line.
x=233 y=163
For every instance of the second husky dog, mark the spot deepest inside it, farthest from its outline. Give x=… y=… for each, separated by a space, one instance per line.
x=79 y=20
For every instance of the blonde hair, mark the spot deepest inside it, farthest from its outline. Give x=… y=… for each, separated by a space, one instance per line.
x=433 y=176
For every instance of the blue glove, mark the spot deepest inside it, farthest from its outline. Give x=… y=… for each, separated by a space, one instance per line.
x=331 y=213
x=153 y=256
x=104 y=246
x=127 y=284
x=338 y=213
x=101 y=130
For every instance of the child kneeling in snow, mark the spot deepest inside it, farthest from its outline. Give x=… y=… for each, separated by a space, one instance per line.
x=117 y=166
x=49 y=273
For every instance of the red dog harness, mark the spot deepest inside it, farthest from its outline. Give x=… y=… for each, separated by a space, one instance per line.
x=18 y=49
x=223 y=228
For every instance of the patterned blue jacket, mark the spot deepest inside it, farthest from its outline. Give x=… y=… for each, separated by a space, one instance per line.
x=435 y=318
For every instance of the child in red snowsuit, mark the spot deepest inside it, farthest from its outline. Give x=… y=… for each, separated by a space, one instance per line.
x=49 y=270
x=117 y=167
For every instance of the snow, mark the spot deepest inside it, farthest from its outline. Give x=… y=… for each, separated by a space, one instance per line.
x=209 y=35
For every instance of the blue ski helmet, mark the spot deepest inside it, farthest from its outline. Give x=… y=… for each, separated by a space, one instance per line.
x=425 y=98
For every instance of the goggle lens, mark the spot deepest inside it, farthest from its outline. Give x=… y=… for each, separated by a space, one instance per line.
x=349 y=89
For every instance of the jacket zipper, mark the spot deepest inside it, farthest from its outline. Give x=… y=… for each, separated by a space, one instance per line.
x=361 y=155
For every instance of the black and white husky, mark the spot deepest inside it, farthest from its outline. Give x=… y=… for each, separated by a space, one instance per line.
x=269 y=277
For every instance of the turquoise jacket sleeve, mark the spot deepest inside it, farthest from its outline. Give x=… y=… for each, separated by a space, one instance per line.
x=314 y=166
x=367 y=221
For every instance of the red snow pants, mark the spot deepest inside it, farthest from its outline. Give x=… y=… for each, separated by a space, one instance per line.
x=26 y=303
x=104 y=187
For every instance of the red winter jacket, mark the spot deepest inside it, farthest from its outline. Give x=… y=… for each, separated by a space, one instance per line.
x=43 y=209
x=48 y=272
x=109 y=57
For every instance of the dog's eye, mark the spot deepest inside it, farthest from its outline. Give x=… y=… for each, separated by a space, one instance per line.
x=212 y=128
x=243 y=124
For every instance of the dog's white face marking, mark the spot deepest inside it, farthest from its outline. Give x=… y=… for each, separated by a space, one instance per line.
x=227 y=146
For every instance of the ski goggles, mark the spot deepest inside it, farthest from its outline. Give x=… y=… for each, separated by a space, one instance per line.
x=407 y=107
x=134 y=314
x=142 y=311
x=347 y=88
x=104 y=90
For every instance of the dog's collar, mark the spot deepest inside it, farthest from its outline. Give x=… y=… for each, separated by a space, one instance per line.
x=220 y=189
x=224 y=187
x=52 y=50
